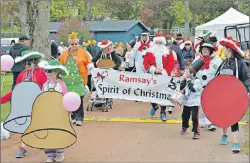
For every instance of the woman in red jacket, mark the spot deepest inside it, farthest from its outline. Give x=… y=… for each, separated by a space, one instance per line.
x=31 y=73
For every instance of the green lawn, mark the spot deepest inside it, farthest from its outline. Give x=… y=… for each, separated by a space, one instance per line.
x=5 y=108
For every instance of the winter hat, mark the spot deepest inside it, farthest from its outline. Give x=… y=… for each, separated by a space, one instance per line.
x=84 y=44
x=160 y=38
x=233 y=44
x=187 y=41
x=27 y=55
x=121 y=45
x=213 y=39
x=104 y=44
x=55 y=65
x=179 y=36
x=208 y=45
x=94 y=42
x=205 y=33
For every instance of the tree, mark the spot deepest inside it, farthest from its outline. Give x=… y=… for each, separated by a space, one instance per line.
x=73 y=25
x=35 y=23
x=62 y=9
x=124 y=9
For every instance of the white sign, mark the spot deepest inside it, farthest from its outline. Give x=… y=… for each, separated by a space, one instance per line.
x=133 y=86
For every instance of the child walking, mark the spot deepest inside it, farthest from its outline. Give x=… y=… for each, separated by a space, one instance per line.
x=233 y=65
x=192 y=88
x=53 y=70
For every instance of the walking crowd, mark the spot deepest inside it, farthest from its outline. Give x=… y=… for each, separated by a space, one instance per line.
x=162 y=55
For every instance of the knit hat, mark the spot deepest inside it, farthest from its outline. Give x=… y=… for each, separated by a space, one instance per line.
x=94 y=42
x=187 y=41
x=104 y=44
x=27 y=55
x=179 y=37
x=233 y=44
x=213 y=39
x=55 y=65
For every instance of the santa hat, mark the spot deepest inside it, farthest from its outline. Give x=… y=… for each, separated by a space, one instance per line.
x=233 y=44
x=104 y=44
x=145 y=33
x=187 y=41
x=160 y=38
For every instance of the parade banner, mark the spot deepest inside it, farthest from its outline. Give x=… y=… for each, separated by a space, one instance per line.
x=133 y=86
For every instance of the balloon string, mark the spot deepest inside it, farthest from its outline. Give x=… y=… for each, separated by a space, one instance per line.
x=3 y=81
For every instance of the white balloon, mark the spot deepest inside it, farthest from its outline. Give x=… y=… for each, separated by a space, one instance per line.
x=4 y=133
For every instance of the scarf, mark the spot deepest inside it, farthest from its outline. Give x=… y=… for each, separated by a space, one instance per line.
x=144 y=44
x=207 y=62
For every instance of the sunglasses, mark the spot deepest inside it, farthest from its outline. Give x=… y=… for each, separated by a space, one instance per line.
x=28 y=62
x=187 y=44
x=74 y=44
x=158 y=43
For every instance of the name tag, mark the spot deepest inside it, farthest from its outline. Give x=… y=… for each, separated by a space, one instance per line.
x=226 y=72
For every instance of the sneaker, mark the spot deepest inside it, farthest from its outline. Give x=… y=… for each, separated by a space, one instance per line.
x=163 y=117
x=236 y=148
x=183 y=131
x=196 y=136
x=22 y=152
x=50 y=160
x=152 y=112
x=223 y=140
x=59 y=158
x=170 y=110
x=212 y=127
x=79 y=123
x=73 y=121
x=204 y=126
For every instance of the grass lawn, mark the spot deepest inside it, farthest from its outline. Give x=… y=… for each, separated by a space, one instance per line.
x=7 y=83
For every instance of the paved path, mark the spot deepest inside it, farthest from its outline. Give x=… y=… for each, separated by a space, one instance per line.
x=134 y=142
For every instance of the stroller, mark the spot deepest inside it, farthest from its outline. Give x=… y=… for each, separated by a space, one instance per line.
x=96 y=102
x=103 y=103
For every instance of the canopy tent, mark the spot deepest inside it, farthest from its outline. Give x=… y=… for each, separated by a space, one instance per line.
x=230 y=17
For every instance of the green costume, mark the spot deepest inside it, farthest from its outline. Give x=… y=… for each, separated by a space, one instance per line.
x=74 y=80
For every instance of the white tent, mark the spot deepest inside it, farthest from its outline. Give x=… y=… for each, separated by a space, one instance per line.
x=230 y=17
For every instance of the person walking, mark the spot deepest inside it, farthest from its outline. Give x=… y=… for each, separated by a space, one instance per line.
x=15 y=51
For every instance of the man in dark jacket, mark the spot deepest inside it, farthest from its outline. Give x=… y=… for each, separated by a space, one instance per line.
x=180 y=57
x=15 y=51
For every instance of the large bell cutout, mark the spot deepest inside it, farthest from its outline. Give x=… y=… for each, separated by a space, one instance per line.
x=22 y=99
x=50 y=126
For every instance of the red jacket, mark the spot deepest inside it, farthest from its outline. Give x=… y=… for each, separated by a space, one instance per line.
x=167 y=62
x=39 y=77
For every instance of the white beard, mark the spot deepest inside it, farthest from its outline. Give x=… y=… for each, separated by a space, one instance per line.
x=160 y=50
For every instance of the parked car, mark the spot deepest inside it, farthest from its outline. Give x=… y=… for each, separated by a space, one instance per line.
x=7 y=41
x=4 y=49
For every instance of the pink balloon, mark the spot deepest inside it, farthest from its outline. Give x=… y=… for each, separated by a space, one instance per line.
x=7 y=62
x=71 y=101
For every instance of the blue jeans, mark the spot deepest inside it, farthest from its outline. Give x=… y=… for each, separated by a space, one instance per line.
x=156 y=107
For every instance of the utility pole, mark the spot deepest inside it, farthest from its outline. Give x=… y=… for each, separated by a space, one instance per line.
x=87 y=10
x=186 y=18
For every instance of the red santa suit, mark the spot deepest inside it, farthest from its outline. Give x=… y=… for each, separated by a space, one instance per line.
x=158 y=56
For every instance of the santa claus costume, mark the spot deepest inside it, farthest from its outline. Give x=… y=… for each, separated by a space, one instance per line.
x=205 y=74
x=140 y=50
x=160 y=61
